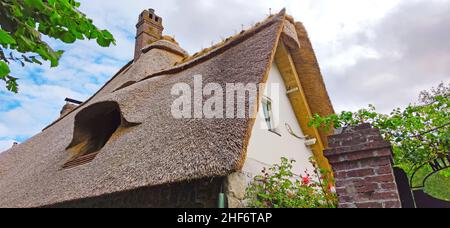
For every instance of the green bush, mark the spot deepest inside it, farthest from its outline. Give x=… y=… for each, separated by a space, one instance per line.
x=279 y=187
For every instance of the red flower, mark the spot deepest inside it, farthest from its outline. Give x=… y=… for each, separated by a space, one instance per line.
x=306 y=180
x=331 y=188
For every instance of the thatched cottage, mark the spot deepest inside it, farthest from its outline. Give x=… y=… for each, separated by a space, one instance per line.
x=123 y=147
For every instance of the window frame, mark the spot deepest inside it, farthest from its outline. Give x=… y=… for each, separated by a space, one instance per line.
x=267 y=106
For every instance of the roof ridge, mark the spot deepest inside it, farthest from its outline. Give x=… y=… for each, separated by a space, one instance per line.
x=225 y=41
x=231 y=42
x=167 y=43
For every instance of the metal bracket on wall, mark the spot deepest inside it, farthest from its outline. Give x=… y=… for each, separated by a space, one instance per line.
x=292 y=90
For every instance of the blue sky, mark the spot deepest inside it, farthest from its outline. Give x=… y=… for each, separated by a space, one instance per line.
x=380 y=52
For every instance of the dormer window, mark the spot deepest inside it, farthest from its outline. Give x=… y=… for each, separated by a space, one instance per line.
x=94 y=127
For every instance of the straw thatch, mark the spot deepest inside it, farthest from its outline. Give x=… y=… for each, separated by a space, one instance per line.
x=149 y=146
x=159 y=150
x=310 y=76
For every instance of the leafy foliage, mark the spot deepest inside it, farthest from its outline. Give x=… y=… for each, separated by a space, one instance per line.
x=428 y=97
x=418 y=133
x=278 y=187
x=23 y=22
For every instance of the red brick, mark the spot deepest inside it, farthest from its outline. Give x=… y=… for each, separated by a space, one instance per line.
x=369 y=205
x=385 y=196
x=360 y=155
x=347 y=205
x=377 y=162
x=361 y=172
x=350 y=182
x=346 y=166
x=392 y=204
x=368 y=188
x=388 y=186
x=374 y=138
x=340 y=175
x=380 y=178
x=382 y=153
x=346 y=199
x=384 y=170
x=353 y=141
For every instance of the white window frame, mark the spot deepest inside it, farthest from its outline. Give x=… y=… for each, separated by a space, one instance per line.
x=269 y=118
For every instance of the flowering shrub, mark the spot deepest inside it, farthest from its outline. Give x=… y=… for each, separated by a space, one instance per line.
x=279 y=187
x=419 y=133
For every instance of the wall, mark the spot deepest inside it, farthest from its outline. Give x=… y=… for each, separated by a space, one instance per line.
x=194 y=194
x=266 y=148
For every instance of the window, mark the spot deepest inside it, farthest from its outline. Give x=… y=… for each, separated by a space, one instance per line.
x=268 y=115
x=94 y=126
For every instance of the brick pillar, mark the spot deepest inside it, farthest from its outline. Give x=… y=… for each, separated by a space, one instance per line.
x=362 y=165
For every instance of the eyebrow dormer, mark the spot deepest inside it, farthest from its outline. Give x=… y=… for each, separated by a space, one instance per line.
x=94 y=127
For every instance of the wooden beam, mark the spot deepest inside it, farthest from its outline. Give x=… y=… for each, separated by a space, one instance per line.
x=299 y=103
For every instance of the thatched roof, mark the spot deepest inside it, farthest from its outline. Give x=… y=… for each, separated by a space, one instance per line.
x=152 y=148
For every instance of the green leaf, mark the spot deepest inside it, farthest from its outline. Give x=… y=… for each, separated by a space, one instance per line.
x=102 y=42
x=107 y=35
x=5 y=38
x=17 y=12
x=11 y=84
x=23 y=24
x=25 y=43
x=68 y=37
x=37 y=4
x=4 y=70
x=55 y=17
x=36 y=60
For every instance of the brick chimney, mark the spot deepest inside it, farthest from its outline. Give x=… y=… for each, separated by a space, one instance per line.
x=67 y=108
x=70 y=105
x=362 y=165
x=149 y=29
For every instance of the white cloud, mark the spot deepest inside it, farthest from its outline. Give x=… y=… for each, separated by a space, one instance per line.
x=5 y=145
x=349 y=57
x=412 y=53
x=39 y=105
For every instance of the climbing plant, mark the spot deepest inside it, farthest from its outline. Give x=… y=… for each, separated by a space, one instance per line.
x=279 y=187
x=418 y=133
x=23 y=24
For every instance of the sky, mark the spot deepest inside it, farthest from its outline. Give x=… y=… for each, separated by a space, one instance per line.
x=381 y=52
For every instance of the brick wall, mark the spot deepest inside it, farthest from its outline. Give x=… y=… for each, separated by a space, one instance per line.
x=362 y=166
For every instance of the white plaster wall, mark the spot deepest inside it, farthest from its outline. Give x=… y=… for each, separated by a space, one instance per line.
x=266 y=148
